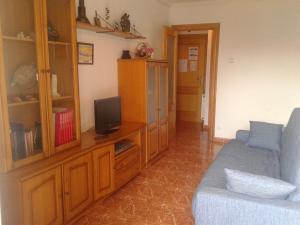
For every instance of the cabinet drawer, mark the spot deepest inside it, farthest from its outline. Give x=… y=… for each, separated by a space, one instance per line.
x=127 y=166
x=128 y=158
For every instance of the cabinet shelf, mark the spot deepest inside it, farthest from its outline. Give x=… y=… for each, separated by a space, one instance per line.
x=97 y=29
x=8 y=38
x=62 y=98
x=23 y=103
x=31 y=158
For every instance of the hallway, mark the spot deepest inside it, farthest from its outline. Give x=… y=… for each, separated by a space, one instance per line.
x=162 y=193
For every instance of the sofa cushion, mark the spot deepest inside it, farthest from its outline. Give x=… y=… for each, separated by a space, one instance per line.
x=290 y=154
x=242 y=135
x=238 y=156
x=265 y=135
x=257 y=186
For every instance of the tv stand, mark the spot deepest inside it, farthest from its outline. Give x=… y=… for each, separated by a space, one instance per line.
x=107 y=133
x=93 y=167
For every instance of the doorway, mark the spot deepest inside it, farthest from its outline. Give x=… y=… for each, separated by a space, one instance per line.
x=178 y=68
x=192 y=53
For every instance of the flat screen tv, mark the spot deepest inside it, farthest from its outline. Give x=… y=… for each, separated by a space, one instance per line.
x=107 y=115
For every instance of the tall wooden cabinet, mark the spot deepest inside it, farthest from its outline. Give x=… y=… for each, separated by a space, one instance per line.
x=37 y=51
x=143 y=87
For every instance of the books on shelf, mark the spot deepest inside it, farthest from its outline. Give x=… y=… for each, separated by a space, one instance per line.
x=63 y=126
x=29 y=144
x=18 y=140
x=24 y=141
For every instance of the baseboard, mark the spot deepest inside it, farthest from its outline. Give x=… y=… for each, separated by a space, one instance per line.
x=222 y=141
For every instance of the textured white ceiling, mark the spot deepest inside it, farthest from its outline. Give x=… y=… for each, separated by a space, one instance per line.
x=187 y=1
x=182 y=1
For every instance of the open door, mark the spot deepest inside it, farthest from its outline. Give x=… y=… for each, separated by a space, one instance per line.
x=170 y=54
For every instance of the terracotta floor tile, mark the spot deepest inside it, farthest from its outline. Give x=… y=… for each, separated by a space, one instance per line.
x=162 y=194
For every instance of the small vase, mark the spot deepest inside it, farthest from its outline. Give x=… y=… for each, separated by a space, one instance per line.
x=126 y=54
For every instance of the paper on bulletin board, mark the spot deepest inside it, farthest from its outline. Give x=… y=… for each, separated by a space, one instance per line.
x=183 y=65
x=193 y=53
x=193 y=66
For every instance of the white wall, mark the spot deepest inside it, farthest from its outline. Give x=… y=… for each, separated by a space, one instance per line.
x=259 y=69
x=205 y=97
x=100 y=80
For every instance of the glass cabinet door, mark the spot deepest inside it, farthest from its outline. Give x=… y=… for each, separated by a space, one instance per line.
x=62 y=70
x=152 y=93
x=22 y=80
x=163 y=91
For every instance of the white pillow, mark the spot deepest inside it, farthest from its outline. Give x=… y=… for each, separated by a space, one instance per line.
x=257 y=186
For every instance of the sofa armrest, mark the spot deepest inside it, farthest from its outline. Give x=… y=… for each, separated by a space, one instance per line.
x=213 y=206
x=243 y=135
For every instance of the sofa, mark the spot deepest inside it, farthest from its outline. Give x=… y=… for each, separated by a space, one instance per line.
x=214 y=204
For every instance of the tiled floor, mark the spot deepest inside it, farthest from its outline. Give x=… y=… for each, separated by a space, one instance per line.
x=162 y=194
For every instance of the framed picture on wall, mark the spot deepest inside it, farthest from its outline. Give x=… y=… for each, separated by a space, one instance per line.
x=85 y=53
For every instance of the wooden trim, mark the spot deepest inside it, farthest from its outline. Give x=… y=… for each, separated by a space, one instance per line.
x=222 y=141
x=196 y=27
x=215 y=28
x=205 y=128
x=6 y=155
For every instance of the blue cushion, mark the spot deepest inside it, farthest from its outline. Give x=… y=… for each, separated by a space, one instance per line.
x=265 y=135
x=257 y=185
x=290 y=154
x=242 y=135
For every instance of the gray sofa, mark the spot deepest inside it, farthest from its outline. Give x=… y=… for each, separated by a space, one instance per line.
x=213 y=204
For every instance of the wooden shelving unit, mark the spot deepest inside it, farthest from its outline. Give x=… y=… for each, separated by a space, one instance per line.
x=97 y=29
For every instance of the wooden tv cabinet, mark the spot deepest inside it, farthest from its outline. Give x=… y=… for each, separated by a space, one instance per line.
x=56 y=190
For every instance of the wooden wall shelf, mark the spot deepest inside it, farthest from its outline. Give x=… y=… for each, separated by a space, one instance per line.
x=97 y=29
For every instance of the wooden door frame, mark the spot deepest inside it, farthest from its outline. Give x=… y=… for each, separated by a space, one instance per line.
x=215 y=28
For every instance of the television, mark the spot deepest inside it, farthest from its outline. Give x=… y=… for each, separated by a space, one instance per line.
x=107 y=115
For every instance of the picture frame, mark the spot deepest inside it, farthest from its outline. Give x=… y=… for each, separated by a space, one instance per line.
x=85 y=53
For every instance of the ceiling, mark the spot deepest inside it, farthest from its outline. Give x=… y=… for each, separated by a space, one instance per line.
x=169 y=2
x=183 y=1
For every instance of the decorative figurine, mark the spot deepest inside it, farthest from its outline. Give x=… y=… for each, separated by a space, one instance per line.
x=25 y=77
x=97 y=19
x=54 y=89
x=125 y=23
x=116 y=26
x=52 y=33
x=107 y=14
x=82 y=13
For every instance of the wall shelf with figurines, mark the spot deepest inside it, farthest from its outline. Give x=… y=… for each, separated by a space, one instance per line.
x=122 y=29
x=97 y=29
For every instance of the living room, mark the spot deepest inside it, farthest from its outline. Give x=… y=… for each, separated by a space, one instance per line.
x=253 y=76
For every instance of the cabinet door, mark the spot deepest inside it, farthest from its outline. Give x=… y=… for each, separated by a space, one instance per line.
x=163 y=91
x=163 y=135
x=78 y=190
x=152 y=76
x=62 y=73
x=42 y=199
x=152 y=149
x=103 y=159
x=143 y=148
x=163 y=106
x=23 y=82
